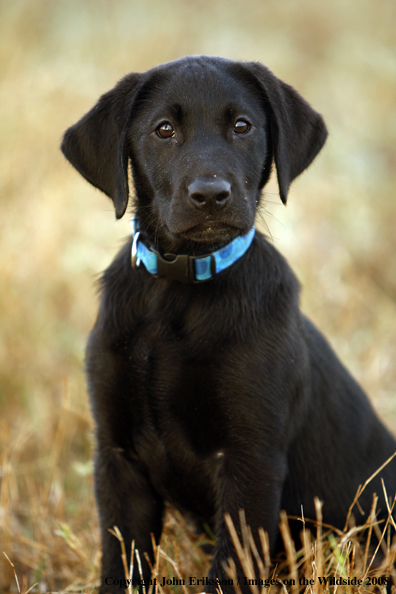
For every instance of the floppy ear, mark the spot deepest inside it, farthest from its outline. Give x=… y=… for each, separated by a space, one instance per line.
x=96 y=146
x=298 y=132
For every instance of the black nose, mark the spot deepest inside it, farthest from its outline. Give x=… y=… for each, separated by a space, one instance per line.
x=209 y=193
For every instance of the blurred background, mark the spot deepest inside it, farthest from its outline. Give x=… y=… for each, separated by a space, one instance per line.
x=57 y=233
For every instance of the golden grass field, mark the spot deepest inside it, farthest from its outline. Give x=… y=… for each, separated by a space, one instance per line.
x=57 y=233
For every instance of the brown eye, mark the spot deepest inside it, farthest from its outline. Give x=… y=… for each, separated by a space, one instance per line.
x=165 y=130
x=241 y=127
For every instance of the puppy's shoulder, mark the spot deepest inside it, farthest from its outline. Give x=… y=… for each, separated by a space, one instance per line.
x=118 y=276
x=120 y=293
x=271 y=271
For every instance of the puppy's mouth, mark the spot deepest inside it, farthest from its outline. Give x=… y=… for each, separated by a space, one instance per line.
x=210 y=233
x=199 y=237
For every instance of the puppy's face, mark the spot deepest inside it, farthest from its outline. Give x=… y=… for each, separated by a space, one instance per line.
x=198 y=142
x=201 y=134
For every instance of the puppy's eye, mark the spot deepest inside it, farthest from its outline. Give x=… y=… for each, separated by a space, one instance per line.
x=165 y=130
x=241 y=127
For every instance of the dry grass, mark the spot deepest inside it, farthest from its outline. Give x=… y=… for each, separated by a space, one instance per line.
x=57 y=234
x=59 y=556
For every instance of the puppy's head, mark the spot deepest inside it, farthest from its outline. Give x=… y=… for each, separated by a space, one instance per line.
x=200 y=134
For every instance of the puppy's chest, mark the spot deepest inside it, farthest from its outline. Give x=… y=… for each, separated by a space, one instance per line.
x=179 y=394
x=179 y=429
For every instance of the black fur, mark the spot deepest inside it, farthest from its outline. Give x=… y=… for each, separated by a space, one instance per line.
x=217 y=396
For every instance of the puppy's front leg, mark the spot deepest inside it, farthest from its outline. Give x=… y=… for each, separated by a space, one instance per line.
x=249 y=481
x=124 y=493
x=125 y=499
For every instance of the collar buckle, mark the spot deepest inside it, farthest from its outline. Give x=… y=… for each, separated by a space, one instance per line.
x=180 y=267
x=175 y=266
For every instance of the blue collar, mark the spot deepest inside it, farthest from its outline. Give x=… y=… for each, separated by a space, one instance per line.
x=185 y=268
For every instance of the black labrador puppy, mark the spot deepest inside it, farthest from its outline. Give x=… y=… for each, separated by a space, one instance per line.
x=209 y=388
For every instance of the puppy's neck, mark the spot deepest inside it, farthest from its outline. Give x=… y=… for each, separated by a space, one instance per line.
x=186 y=268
